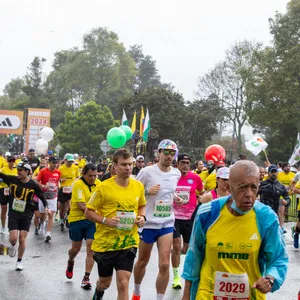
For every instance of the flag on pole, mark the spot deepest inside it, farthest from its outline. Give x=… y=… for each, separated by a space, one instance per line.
x=256 y=145
x=296 y=153
x=147 y=127
x=133 y=126
x=142 y=120
x=124 y=119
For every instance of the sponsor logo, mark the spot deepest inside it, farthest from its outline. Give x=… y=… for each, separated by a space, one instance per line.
x=254 y=236
x=233 y=255
x=9 y=122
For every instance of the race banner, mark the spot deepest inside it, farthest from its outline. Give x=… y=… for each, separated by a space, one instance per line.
x=11 y=122
x=256 y=145
x=37 y=119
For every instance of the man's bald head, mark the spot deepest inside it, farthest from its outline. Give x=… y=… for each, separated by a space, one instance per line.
x=247 y=167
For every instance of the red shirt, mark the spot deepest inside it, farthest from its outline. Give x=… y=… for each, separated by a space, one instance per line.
x=49 y=178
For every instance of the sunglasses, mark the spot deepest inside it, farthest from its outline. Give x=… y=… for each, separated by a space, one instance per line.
x=168 y=152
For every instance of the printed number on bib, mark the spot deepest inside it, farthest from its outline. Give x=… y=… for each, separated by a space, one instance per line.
x=67 y=190
x=18 y=205
x=162 y=208
x=184 y=195
x=6 y=191
x=126 y=220
x=231 y=286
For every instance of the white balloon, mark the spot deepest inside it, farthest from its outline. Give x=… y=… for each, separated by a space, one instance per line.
x=47 y=134
x=41 y=146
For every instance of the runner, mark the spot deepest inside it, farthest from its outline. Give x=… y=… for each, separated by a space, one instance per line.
x=4 y=190
x=80 y=227
x=237 y=250
x=32 y=160
x=118 y=208
x=201 y=170
x=188 y=184
x=80 y=163
x=140 y=163
x=21 y=208
x=222 y=188
x=160 y=181
x=68 y=172
x=49 y=178
x=285 y=177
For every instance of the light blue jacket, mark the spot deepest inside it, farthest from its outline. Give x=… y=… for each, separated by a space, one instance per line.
x=273 y=259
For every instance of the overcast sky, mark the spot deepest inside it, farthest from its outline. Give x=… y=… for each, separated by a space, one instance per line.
x=186 y=38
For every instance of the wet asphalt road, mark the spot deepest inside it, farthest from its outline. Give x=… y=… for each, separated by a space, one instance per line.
x=44 y=277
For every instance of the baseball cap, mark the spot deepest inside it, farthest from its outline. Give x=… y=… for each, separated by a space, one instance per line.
x=31 y=150
x=272 y=168
x=167 y=145
x=50 y=152
x=7 y=153
x=52 y=159
x=183 y=156
x=140 y=157
x=24 y=166
x=70 y=157
x=223 y=173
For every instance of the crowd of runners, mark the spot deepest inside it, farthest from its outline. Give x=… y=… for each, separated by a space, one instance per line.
x=227 y=220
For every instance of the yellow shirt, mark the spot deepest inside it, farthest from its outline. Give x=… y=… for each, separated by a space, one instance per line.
x=109 y=200
x=203 y=175
x=232 y=246
x=80 y=164
x=2 y=162
x=8 y=171
x=81 y=193
x=211 y=181
x=286 y=179
x=70 y=173
x=18 y=160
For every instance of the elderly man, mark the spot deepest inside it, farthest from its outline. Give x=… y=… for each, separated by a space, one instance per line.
x=237 y=248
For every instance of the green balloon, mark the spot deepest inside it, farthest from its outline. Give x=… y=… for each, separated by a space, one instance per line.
x=127 y=130
x=116 y=137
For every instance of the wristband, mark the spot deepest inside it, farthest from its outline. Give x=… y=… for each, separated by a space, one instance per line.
x=103 y=220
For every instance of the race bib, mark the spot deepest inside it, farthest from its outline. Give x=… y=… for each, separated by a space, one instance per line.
x=231 y=286
x=18 y=205
x=6 y=191
x=126 y=220
x=52 y=187
x=183 y=193
x=162 y=208
x=67 y=189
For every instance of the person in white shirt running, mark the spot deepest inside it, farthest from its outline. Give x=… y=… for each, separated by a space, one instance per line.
x=160 y=181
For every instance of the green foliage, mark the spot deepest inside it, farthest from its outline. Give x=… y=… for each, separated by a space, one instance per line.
x=84 y=130
x=275 y=89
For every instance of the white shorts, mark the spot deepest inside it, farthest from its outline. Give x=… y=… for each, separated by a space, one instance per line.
x=52 y=205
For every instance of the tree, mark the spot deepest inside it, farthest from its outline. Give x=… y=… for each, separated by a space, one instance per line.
x=168 y=113
x=84 y=130
x=274 y=91
x=147 y=73
x=226 y=83
x=204 y=118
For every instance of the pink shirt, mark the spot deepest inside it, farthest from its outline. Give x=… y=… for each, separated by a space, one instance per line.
x=186 y=189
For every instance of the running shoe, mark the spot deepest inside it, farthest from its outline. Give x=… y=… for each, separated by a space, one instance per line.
x=135 y=297
x=48 y=238
x=85 y=284
x=36 y=231
x=2 y=230
x=12 y=250
x=283 y=230
x=296 y=240
x=62 y=226
x=177 y=283
x=19 y=266
x=69 y=271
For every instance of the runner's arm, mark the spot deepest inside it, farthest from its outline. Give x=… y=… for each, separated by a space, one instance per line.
x=6 y=178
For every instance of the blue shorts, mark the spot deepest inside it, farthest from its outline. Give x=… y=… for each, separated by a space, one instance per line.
x=83 y=229
x=150 y=236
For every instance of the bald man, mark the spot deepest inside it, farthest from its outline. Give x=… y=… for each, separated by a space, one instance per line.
x=237 y=248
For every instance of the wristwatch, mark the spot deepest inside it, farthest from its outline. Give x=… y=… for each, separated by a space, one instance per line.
x=270 y=279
